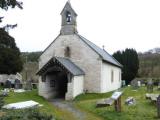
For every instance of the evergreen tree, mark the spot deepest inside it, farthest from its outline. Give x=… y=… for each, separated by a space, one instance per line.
x=10 y=60
x=129 y=59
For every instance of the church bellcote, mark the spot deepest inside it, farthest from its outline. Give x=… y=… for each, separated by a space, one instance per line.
x=69 y=24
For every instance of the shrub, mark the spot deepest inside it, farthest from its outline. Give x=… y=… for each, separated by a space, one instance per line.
x=26 y=114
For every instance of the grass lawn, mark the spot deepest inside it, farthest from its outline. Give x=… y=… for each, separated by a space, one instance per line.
x=143 y=110
x=47 y=106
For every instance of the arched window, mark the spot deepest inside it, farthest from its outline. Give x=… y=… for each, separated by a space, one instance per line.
x=68 y=17
x=67 y=52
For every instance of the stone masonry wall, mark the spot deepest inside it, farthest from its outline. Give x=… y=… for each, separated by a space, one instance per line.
x=81 y=54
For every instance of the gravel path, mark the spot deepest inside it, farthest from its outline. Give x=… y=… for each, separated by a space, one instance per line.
x=68 y=106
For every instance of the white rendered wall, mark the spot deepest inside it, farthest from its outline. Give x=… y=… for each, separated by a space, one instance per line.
x=106 y=83
x=44 y=88
x=77 y=85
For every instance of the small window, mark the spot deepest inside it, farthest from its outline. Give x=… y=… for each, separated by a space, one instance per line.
x=68 y=17
x=112 y=76
x=67 y=52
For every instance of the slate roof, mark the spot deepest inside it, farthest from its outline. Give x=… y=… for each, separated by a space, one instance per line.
x=104 y=54
x=66 y=63
x=69 y=65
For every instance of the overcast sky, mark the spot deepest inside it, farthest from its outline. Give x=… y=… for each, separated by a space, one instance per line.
x=116 y=24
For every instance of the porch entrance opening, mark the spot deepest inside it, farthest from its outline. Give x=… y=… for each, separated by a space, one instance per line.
x=61 y=85
x=58 y=83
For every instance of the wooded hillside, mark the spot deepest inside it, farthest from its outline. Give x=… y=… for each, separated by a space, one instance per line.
x=149 y=65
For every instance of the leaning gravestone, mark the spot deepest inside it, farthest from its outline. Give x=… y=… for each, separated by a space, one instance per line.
x=150 y=86
x=158 y=106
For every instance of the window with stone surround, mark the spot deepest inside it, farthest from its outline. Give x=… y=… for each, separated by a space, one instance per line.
x=119 y=75
x=67 y=52
x=112 y=76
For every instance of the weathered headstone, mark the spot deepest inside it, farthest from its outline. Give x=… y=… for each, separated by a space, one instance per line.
x=150 y=86
x=139 y=83
x=123 y=83
x=18 y=84
x=8 y=84
x=117 y=103
x=28 y=85
x=134 y=84
x=158 y=106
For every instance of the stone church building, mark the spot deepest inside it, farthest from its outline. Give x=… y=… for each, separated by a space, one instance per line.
x=72 y=65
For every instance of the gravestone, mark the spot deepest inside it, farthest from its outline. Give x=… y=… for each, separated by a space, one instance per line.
x=18 y=84
x=150 y=85
x=134 y=84
x=123 y=83
x=117 y=103
x=139 y=83
x=28 y=85
x=8 y=84
x=158 y=106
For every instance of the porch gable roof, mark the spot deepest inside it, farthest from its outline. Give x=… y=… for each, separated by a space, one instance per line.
x=65 y=63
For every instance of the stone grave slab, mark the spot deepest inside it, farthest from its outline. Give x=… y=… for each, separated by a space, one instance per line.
x=105 y=102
